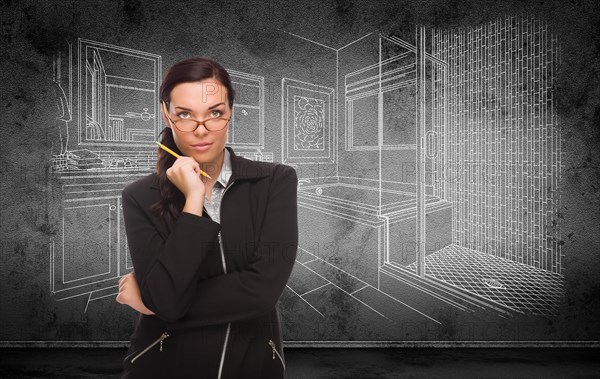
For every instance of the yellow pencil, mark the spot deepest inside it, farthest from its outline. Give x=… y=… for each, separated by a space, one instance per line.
x=177 y=156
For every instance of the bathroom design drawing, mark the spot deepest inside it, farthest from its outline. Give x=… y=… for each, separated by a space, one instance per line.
x=428 y=171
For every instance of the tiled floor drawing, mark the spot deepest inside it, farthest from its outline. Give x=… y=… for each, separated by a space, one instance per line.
x=320 y=294
x=517 y=285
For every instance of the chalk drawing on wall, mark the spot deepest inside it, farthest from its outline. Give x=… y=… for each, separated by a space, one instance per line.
x=116 y=105
x=476 y=225
x=308 y=116
x=63 y=101
x=113 y=98
x=472 y=224
x=248 y=111
x=116 y=97
x=501 y=163
x=246 y=133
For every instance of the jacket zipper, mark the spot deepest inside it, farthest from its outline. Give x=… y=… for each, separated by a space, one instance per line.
x=272 y=344
x=160 y=339
x=222 y=253
x=224 y=271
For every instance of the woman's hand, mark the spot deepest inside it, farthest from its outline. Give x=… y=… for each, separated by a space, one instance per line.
x=185 y=175
x=129 y=294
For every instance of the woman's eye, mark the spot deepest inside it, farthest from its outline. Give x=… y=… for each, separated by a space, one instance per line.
x=216 y=113
x=184 y=115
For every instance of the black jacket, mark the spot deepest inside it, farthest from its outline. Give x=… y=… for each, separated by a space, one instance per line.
x=217 y=311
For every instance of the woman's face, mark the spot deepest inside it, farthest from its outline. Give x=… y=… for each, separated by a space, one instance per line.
x=200 y=101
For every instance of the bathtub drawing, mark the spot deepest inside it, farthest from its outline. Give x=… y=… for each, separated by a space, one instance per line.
x=361 y=234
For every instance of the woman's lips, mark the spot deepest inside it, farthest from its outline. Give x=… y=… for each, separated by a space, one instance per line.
x=202 y=146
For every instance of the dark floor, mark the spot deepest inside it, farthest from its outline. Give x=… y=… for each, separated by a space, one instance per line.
x=335 y=363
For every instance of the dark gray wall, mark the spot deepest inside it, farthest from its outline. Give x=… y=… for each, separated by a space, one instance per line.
x=255 y=37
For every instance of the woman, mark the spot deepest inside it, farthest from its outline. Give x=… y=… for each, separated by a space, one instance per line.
x=211 y=256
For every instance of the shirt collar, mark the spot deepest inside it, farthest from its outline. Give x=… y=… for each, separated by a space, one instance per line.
x=226 y=169
x=244 y=169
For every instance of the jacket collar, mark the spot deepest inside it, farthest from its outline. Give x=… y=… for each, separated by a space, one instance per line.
x=242 y=169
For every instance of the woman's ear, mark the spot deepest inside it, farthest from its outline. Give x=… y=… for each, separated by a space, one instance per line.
x=164 y=111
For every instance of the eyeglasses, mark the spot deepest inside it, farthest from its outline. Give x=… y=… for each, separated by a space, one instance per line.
x=189 y=125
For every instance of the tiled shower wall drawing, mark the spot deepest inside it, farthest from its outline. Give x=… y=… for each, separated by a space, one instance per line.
x=501 y=162
x=461 y=205
x=502 y=143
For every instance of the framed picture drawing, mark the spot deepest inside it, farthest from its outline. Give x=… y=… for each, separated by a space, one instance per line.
x=308 y=118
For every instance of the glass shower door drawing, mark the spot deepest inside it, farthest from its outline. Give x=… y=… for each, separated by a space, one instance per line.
x=409 y=79
x=482 y=152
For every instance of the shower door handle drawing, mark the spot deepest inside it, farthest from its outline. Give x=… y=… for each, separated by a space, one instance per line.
x=431 y=144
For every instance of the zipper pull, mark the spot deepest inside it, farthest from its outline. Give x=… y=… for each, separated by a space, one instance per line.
x=164 y=335
x=160 y=339
x=272 y=347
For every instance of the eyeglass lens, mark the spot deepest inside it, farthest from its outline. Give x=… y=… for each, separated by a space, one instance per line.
x=210 y=124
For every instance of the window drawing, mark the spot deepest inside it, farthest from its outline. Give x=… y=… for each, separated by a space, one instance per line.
x=387 y=90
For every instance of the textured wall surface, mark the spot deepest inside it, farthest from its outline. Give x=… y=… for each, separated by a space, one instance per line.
x=513 y=258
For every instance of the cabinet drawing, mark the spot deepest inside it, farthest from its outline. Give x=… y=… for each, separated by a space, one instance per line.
x=246 y=127
x=91 y=252
x=113 y=96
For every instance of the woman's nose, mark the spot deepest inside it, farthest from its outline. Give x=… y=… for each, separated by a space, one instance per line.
x=201 y=130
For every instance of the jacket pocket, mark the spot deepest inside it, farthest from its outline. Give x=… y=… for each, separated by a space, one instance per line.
x=158 y=340
x=276 y=353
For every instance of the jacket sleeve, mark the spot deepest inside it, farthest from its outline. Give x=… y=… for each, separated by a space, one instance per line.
x=167 y=269
x=254 y=291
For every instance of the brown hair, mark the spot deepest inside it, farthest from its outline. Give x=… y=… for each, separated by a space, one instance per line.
x=185 y=71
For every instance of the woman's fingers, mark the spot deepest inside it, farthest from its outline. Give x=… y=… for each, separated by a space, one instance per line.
x=123 y=295
x=121 y=298
x=185 y=163
x=126 y=277
x=185 y=175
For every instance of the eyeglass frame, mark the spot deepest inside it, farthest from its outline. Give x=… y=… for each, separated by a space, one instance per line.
x=198 y=122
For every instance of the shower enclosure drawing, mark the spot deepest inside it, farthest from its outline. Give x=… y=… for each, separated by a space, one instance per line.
x=465 y=122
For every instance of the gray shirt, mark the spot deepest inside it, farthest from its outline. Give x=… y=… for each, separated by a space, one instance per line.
x=213 y=205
